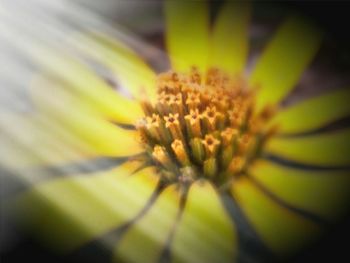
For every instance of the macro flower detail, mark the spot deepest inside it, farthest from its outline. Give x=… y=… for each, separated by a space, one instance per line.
x=199 y=162
x=202 y=127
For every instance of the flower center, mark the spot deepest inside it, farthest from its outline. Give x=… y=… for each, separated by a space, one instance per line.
x=202 y=126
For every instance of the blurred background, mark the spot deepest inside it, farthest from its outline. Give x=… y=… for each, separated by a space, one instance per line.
x=141 y=22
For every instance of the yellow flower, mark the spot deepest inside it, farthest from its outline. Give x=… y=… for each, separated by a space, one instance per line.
x=198 y=164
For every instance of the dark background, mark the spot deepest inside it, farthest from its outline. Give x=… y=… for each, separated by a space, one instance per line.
x=334 y=18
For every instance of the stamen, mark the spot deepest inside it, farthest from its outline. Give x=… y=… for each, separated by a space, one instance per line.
x=210 y=167
x=147 y=107
x=193 y=123
x=197 y=149
x=173 y=124
x=228 y=135
x=193 y=100
x=161 y=156
x=164 y=103
x=153 y=127
x=195 y=76
x=176 y=104
x=211 y=145
x=180 y=152
x=244 y=144
x=210 y=117
x=236 y=165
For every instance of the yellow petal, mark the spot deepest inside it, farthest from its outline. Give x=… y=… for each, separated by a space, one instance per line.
x=104 y=137
x=230 y=37
x=89 y=87
x=146 y=239
x=281 y=65
x=281 y=230
x=187 y=34
x=68 y=212
x=329 y=149
x=206 y=232
x=325 y=193
x=313 y=113
x=134 y=75
x=32 y=140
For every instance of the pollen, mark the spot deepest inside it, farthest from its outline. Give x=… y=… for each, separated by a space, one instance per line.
x=203 y=125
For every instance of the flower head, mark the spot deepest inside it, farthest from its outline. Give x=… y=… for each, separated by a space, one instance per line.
x=199 y=163
x=204 y=123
